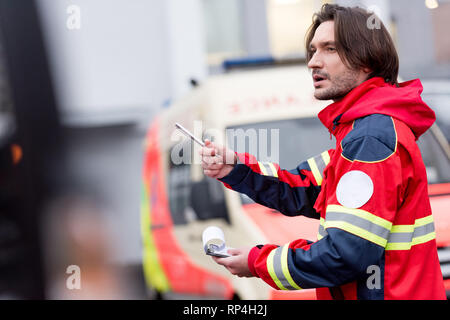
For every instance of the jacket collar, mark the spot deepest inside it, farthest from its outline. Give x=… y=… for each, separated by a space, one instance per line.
x=331 y=114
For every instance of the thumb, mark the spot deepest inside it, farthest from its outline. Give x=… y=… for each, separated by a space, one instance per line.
x=234 y=251
x=210 y=145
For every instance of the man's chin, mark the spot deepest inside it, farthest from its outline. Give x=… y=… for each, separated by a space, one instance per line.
x=321 y=94
x=328 y=94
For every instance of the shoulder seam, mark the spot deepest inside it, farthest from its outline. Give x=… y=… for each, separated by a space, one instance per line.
x=347 y=143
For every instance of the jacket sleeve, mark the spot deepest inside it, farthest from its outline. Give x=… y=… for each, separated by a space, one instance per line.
x=354 y=233
x=292 y=192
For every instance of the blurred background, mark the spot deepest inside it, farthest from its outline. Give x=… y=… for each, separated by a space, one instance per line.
x=80 y=83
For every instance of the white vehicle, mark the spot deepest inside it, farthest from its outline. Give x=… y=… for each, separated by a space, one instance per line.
x=436 y=93
x=179 y=202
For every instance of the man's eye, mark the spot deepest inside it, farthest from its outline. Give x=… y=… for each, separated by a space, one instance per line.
x=331 y=49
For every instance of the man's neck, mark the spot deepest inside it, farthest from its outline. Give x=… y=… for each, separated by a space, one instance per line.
x=337 y=99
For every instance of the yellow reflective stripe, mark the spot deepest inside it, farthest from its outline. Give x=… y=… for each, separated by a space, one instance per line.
x=423 y=221
x=153 y=271
x=362 y=214
x=265 y=167
x=408 y=245
x=274 y=170
x=321 y=225
x=356 y=231
x=400 y=237
x=270 y=269
x=398 y=246
x=285 y=268
x=402 y=228
x=262 y=168
x=326 y=157
x=315 y=171
x=424 y=238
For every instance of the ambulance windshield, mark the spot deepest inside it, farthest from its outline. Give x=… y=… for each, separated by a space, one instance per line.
x=286 y=142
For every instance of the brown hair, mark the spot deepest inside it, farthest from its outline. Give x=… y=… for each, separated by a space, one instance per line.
x=358 y=43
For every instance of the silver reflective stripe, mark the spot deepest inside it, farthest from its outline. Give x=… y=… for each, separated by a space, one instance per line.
x=407 y=237
x=279 y=269
x=320 y=163
x=269 y=169
x=423 y=230
x=359 y=222
x=322 y=231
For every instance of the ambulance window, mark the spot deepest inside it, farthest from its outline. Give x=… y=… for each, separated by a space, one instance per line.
x=436 y=162
x=437 y=95
x=286 y=142
x=193 y=200
x=208 y=200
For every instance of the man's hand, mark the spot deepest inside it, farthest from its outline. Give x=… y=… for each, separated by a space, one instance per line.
x=217 y=161
x=237 y=264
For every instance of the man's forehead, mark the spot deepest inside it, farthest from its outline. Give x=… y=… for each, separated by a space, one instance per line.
x=324 y=34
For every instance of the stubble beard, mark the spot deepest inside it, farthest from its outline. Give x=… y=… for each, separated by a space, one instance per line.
x=340 y=86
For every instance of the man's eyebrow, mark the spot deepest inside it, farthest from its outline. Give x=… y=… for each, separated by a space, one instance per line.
x=323 y=44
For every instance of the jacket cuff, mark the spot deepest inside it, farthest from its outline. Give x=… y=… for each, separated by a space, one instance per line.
x=237 y=175
x=252 y=255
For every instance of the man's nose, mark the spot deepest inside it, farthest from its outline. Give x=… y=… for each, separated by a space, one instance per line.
x=315 y=62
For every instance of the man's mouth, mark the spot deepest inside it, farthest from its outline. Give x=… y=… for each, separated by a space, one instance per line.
x=318 y=79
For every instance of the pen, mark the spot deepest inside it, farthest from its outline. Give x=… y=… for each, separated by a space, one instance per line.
x=187 y=133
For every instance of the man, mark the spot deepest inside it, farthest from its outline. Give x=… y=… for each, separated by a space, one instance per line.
x=376 y=238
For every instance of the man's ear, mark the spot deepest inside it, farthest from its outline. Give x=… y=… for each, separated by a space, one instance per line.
x=367 y=70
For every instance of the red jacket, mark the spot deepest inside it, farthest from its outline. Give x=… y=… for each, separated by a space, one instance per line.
x=376 y=238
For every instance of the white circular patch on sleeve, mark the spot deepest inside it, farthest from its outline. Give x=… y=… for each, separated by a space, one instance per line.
x=354 y=189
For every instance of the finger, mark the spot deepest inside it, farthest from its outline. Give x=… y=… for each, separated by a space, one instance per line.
x=211 y=173
x=235 y=272
x=208 y=160
x=209 y=149
x=209 y=170
x=212 y=160
x=213 y=166
x=215 y=259
x=234 y=251
x=218 y=159
x=214 y=148
x=221 y=261
x=205 y=151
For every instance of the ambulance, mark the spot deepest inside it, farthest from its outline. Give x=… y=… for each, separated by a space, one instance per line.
x=274 y=109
